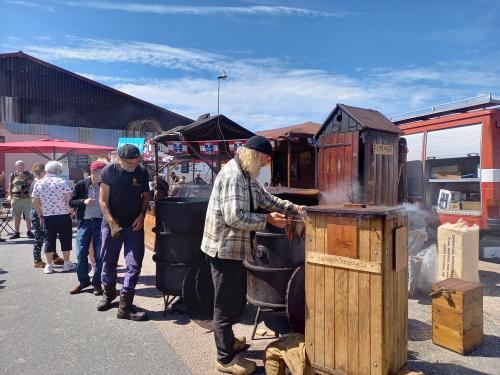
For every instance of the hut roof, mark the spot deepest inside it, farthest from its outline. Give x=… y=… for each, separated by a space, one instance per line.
x=307 y=128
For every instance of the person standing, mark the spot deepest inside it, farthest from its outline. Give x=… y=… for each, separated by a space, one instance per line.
x=51 y=197
x=229 y=238
x=85 y=199
x=124 y=200
x=39 y=172
x=19 y=187
x=2 y=195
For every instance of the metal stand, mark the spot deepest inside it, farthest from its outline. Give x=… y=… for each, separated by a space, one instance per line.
x=257 y=321
x=167 y=301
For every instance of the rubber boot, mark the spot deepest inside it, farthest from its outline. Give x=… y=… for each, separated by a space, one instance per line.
x=126 y=309
x=108 y=295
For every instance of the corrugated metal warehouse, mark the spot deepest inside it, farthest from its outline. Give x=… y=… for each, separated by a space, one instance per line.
x=41 y=100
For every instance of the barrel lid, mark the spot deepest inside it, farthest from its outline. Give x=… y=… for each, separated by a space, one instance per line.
x=370 y=211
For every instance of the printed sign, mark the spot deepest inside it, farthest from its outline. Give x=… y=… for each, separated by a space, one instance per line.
x=177 y=148
x=138 y=142
x=233 y=145
x=209 y=148
x=380 y=149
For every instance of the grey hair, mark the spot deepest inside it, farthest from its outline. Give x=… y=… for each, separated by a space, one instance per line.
x=53 y=167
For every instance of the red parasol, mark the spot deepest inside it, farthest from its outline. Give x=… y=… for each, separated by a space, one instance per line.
x=54 y=146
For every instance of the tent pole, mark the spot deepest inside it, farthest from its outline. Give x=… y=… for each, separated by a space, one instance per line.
x=289 y=163
x=156 y=160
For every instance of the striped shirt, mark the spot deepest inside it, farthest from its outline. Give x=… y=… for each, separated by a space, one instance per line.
x=229 y=219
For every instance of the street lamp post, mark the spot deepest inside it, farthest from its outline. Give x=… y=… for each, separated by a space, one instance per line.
x=223 y=75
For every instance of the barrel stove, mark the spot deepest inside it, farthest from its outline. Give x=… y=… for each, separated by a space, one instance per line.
x=356 y=289
x=179 y=260
x=273 y=262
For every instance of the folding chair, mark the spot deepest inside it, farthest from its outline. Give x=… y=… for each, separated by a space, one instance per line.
x=5 y=218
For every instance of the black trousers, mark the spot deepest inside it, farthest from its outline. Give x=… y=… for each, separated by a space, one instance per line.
x=229 y=278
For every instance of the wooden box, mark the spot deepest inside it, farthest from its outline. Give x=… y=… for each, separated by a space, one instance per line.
x=457 y=315
x=356 y=290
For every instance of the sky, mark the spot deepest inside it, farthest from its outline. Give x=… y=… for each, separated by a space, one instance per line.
x=287 y=62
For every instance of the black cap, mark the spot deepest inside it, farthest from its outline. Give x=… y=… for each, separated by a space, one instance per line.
x=261 y=144
x=128 y=152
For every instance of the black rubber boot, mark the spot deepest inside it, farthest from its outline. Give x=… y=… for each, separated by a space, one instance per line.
x=126 y=309
x=108 y=295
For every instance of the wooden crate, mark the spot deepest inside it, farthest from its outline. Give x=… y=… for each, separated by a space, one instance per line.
x=356 y=290
x=457 y=315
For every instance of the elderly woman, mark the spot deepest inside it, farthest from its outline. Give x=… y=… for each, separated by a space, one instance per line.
x=51 y=197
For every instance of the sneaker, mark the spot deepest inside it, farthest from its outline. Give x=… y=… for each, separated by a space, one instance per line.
x=48 y=269
x=15 y=235
x=68 y=267
x=238 y=366
x=58 y=261
x=30 y=234
x=39 y=264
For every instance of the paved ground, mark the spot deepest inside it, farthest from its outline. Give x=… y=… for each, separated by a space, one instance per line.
x=45 y=330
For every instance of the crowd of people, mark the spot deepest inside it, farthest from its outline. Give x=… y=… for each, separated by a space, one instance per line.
x=110 y=207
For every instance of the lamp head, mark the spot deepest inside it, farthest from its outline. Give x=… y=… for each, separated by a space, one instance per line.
x=223 y=75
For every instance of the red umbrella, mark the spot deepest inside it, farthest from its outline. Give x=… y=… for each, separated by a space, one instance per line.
x=54 y=146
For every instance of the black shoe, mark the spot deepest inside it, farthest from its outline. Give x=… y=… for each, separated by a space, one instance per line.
x=126 y=310
x=30 y=234
x=15 y=235
x=109 y=294
x=2 y=240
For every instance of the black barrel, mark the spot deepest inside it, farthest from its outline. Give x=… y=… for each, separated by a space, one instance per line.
x=276 y=251
x=179 y=229
x=266 y=287
x=170 y=276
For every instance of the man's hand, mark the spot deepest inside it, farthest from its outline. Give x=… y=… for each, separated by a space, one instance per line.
x=138 y=223
x=89 y=201
x=276 y=219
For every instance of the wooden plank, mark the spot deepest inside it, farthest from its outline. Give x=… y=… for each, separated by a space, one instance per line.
x=378 y=173
x=377 y=335
x=458 y=321
x=333 y=169
x=342 y=237
x=400 y=248
x=388 y=297
x=370 y=166
x=348 y=166
x=341 y=319
x=364 y=300
x=319 y=295
x=330 y=309
x=355 y=167
x=460 y=342
x=320 y=167
x=395 y=171
x=310 y=286
x=387 y=181
x=345 y=263
x=353 y=322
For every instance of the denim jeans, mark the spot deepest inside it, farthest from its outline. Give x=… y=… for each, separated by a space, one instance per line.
x=88 y=230
x=133 y=251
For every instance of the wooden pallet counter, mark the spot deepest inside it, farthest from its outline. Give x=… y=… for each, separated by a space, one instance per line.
x=356 y=290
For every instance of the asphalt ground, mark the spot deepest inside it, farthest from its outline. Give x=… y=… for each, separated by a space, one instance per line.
x=45 y=330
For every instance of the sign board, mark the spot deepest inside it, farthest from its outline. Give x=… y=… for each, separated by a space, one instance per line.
x=380 y=149
x=78 y=161
x=185 y=167
x=139 y=142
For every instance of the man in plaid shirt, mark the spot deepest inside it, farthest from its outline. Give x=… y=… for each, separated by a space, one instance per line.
x=229 y=237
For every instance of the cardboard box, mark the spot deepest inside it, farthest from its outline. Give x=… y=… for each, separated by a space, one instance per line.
x=472 y=206
x=454 y=206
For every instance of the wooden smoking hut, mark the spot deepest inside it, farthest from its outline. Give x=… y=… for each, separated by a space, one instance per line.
x=356 y=250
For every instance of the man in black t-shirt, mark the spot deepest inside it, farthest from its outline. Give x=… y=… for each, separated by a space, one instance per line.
x=124 y=199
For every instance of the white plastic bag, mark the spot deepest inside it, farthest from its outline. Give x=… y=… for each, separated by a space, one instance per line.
x=428 y=271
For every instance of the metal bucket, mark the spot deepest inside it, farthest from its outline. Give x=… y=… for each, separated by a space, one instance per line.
x=276 y=251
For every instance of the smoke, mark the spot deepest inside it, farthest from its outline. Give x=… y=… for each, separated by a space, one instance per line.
x=346 y=192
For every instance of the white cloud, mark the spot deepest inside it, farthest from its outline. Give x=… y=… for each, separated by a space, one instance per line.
x=44 y=7
x=255 y=10
x=266 y=93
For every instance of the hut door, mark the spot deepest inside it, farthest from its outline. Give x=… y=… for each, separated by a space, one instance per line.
x=338 y=167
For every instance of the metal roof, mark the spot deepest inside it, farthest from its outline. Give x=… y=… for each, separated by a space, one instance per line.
x=458 y=106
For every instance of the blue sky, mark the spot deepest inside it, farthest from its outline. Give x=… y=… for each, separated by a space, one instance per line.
x=287 y=61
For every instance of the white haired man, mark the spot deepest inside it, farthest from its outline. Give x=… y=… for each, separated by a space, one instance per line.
x=229 y=237
x=51 y=197
x=19 y=192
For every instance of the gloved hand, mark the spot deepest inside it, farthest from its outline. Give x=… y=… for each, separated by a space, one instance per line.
x=116 y=230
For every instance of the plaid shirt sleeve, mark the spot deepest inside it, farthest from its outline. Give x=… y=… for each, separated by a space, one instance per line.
x=234 y=205
x=274 y=204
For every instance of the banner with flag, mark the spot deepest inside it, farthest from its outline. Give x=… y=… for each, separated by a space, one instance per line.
x=177 y=148
x=148 y=153
x=209 y=148
x=233 y=145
